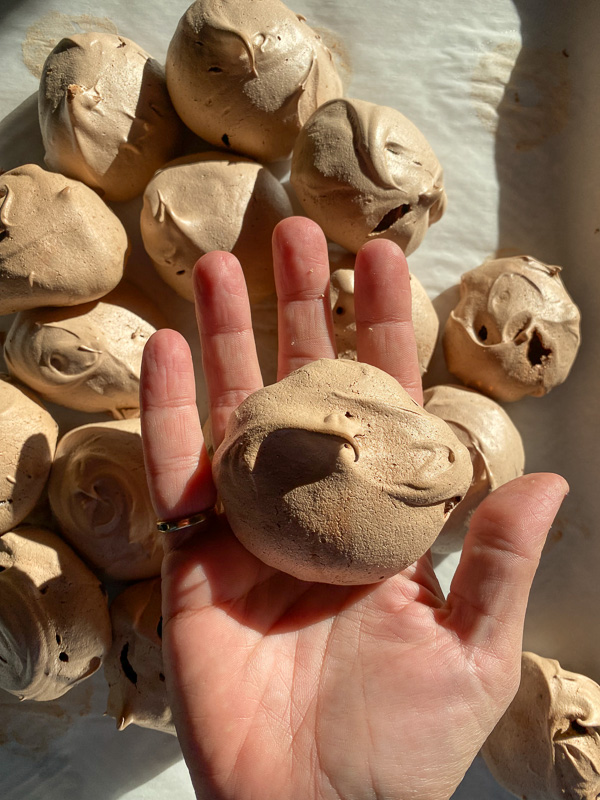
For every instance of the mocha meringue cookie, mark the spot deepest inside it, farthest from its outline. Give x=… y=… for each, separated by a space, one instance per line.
x=134 y=666
x=99 y=496
x=425 y=320
x=515 y=330
x=105 y=114
x=547 y=744
x=88 y=357
x=495 y=446
x=213 y=201
x=60 y=244
x=336 y=475
x=247 y=75
x=364 y=171
x=54 y=622
x=28 y=437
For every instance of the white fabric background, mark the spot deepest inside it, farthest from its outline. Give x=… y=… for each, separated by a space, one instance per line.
x=507 y=92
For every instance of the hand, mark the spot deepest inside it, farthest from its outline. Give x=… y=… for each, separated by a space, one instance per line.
x=285 y=690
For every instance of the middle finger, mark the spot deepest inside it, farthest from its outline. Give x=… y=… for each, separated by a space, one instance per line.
x=301 y=265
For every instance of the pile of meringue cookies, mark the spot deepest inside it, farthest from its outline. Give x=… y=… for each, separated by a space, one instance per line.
x=255 y=81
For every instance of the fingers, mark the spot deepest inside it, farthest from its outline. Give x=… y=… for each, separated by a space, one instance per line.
x=489 y=592
x=301 y=265
x=177 y=466
x=384 y=330
x=225 y=325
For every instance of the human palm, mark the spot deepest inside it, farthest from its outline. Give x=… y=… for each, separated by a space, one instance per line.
x=287 y=690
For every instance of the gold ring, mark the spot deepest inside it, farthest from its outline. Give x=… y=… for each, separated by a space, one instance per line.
x=172 y=525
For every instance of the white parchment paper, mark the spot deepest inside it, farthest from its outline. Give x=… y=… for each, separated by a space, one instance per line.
x=507 y=92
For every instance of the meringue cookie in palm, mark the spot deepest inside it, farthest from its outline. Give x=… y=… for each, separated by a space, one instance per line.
x=134 y=666
x=495 y=446
x=425 y=320
x=60 y=245
x=547 y=744
x=28 y=437
x=88 y=357
x=515 y=330
x=247 y=75
x=213 y=201
x=105 y=114
x=99 y=496
x=54 y=622
x=336 y=475
x=364 y=171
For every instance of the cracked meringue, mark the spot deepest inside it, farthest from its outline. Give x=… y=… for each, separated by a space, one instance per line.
x=213 y=201
x=99 y=496
x=105 y=114
x=336 y=475
x=547 y=744
x=425 y=320
x=134 y=666
x=495 y=446
x=515 y=330
x=54 y=622
x=87 y=357
x=364 y=171
x=60 y=244
x=28 y=437
x=246 y=75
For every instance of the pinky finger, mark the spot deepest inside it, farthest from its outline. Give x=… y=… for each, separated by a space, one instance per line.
x=177 y=465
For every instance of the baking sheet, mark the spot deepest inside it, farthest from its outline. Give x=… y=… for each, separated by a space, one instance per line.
x=507 y=94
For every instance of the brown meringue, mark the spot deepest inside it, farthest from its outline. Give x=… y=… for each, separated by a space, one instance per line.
x=213 y=201
x=495 y=446
x=247 y=75
x=88 y=357
x=105 y=114
x=335 y=474
x=364 y=171
x=134 y=666
x=60 y=245
x=547 y=744
x=515 y=330
x=28 y=437
x=425 y=320
x=99 y=496
x=54 y=622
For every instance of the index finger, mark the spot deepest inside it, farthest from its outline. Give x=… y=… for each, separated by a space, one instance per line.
x=385 y=335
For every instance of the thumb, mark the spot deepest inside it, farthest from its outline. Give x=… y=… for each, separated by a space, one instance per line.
x=489 y=592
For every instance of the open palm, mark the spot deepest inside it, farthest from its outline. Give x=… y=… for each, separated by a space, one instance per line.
x=287 y=690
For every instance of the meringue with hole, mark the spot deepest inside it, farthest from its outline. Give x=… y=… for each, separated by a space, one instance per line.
x=60 y=245
x=246 y=75
x=28 y=435
x=547 y=744
x=363 y=171
x=335 y=474
x=54 y=623
x=495 y=446
x=86 y=357
x=134 y=671
x=213 y=201
x=105 y=114
x=99 y=496
x=515 y=330
x=425 y=320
